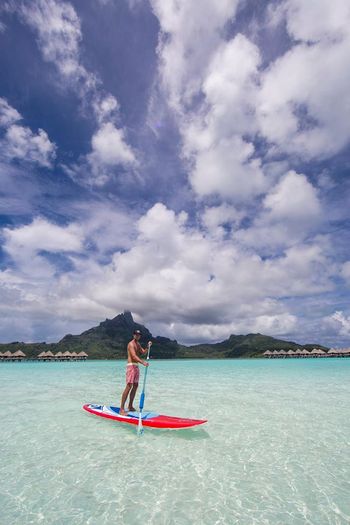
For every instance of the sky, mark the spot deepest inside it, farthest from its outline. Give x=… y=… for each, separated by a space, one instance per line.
x=186 y=161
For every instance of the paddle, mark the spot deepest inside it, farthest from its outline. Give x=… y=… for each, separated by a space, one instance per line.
x=142 y=397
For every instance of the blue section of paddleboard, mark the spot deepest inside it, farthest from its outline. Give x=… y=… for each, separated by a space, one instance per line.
x=145 y=415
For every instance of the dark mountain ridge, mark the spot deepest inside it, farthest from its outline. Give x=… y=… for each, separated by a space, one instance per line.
x=109 y=339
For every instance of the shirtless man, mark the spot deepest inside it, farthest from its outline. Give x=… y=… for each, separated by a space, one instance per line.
x=132 y=371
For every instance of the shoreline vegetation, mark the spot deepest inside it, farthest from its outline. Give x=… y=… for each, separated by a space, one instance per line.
x=109 y=339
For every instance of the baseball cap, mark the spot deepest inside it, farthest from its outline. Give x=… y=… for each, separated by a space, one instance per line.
x=137 y=332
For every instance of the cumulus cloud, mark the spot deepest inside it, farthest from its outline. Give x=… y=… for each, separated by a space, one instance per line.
x=220 y=159
x=8 y=114
x=19 y=142
x=228 y=169
x=218 y=219
x=109 y=148
x=188 y=39
x=293 y=198
x=340 y=323
x=331 y=23
x=226 y=100
x=58 y=29
x=297 y=108
x=290 y=213
x=26 y=243
x=171 y=273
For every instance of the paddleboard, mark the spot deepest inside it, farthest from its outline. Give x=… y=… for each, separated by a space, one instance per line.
x=149 y=419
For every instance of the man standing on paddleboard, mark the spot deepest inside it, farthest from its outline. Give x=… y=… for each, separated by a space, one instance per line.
x=132 y=371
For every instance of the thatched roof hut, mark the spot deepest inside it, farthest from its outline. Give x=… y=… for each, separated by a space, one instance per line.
x=7 y=354
x=291 y=353
x=317 y=351
x=42 y=355
x=333 y=351
x=67 y=355
x=82 y=355
x=19 y=355
x=59 y=355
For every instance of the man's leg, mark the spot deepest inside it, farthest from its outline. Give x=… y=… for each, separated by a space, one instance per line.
x=132 y=397
x=124 y=398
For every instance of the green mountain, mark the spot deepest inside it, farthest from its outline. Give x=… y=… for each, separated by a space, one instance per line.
x=109 y=339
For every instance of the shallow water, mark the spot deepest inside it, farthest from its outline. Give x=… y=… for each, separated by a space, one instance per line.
x=274 y=451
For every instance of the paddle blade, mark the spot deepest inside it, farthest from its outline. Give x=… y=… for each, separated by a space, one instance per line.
x=139 y=426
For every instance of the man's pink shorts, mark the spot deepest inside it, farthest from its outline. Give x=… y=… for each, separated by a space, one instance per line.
x=132 y=374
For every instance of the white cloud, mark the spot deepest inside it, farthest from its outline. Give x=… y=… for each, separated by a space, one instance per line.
x=105 y=107
x=278 y=324
x=290 y=213
x=228 y=169
x=198 y=62
x=298 y=108
x=59 y=37
x=223 y=161
x=59 y=34
x=317 y=20
x=215 y=218
x=170 y=273
x=19 y=142
x=340 y=323
x=8 y=114
x=230 y=88
x=189 y=37
x=223 y=99
x=25 y=244
x=109 y=147
x=293 y=198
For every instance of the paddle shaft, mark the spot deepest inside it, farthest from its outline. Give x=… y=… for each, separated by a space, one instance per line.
x=142 y=397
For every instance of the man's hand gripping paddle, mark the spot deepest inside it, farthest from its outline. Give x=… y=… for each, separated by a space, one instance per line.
x=142 y=397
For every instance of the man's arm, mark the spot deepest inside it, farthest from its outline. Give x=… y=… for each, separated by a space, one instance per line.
x=134 y=356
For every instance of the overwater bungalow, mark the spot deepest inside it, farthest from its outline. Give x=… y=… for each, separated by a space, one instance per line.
x=82 y=356
x=333 y=352
x=316 y=352
x=268 y=353
x=67 y=355
x=19 y=355
x=59 y=356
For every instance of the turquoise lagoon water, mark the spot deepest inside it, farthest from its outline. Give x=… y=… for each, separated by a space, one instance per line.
x=274 y=451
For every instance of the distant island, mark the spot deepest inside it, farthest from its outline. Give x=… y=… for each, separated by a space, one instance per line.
x=108 y=340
